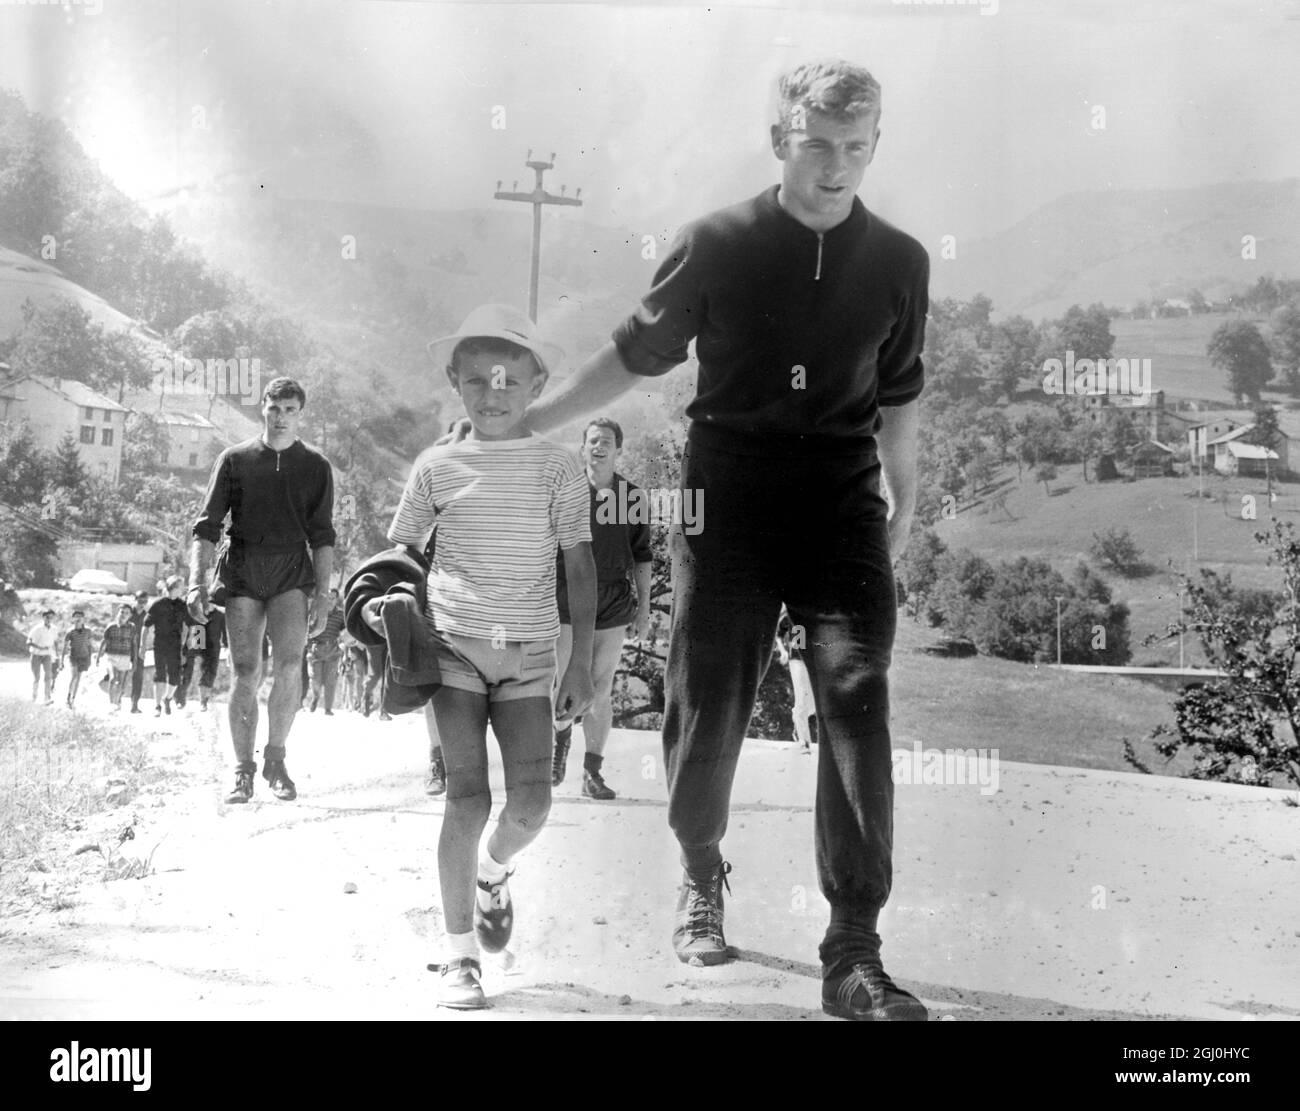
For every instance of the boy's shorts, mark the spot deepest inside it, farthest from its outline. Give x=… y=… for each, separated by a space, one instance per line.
x=117 y=662
x=518 y=669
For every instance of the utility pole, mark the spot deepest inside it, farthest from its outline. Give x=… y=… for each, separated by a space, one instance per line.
x=538 y=197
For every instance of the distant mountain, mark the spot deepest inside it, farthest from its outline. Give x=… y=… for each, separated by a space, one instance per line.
x=1125 y=245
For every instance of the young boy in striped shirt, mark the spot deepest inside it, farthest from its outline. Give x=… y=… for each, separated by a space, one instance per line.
x=501 y=499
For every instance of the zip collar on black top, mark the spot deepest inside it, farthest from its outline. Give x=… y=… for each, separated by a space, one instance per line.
x=855 y=223
x=279 y=452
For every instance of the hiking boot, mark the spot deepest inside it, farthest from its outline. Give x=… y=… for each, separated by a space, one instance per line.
x=864 y=993
x=697 y=937
x=459 y=987
x=494 y=925
x=595 y=787
x=560 y=756
x=277 y=776
x=436 y=784
x=243 y=791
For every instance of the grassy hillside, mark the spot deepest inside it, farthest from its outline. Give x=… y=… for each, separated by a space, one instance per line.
x=1176 y=347
x=1158 y=512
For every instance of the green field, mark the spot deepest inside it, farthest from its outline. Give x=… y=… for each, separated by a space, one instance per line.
x=1176 y=348
x=1161 y=516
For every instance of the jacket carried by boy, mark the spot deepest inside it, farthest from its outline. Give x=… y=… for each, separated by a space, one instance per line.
x=383 y=604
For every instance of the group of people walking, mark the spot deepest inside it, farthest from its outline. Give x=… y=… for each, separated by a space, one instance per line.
x=808 y=314
x=179 y=647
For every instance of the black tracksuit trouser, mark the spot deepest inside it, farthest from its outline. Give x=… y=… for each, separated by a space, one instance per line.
x=809 y=532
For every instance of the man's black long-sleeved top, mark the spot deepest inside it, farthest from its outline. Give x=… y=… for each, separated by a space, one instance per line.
x=801 y=337
x=277 y=500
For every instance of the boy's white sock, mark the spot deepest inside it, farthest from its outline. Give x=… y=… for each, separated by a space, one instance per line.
x=490 y=870
x=462 y=945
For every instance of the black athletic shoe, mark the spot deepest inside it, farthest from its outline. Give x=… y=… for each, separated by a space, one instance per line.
x=243 y=791
x=864 y=993
x=459 y=987
x=494 y=925
x=595 y=787
x=167 y=706
x=697 y=937
x=560 y=755
x=277 y=776
x=136 y=710
x=436 y=784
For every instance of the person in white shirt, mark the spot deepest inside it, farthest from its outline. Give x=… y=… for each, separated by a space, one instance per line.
x=42 y=643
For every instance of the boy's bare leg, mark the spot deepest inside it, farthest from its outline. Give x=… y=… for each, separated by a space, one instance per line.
x=462 y=724
x=245 y=628
x=523 y=730
x=286 y=622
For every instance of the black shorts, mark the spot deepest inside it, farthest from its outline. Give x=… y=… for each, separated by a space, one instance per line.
x=243 y=572
x=615 y=605
x=167 y=663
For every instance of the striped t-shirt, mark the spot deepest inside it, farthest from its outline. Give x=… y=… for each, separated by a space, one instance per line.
x=500 y=507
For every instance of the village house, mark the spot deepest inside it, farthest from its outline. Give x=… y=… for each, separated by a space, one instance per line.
x=53 y=407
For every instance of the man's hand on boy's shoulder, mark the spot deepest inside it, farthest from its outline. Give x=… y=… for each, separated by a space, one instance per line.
x=459 y=431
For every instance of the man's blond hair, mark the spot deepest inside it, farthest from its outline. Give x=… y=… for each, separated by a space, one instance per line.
x=835 y=88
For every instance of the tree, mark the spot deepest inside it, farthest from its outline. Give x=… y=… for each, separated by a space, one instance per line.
x=1045 y=473
x=145 y=444
x=919 y=569
x=1244 y=727
x=1117 y=549
x=1086 y=332
x=1015 y=343
x=1265 y=433
x=23 y=465
x=1284 y=337
x=66 y=468
x=1238 y=348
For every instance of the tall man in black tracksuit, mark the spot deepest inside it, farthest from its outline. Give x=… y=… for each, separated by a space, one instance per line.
x=808 y=315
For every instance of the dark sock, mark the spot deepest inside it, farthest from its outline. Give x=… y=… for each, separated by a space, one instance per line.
x=564 y=734
x=591 y=762
x=850 y=938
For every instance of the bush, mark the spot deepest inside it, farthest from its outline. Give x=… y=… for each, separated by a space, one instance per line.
x=1241 y=728
x=1116 y=549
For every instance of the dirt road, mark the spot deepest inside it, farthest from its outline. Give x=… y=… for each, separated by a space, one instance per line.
x=1065 y=894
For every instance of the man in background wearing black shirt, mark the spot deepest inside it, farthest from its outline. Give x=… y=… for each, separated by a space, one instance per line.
x=274 y=577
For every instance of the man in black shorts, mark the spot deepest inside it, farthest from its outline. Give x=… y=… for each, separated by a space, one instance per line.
x=279 y=494
x=808 y=316
x=620 y=545
x=164 y=626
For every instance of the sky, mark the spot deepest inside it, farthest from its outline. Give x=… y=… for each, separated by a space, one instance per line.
x=660 y=111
